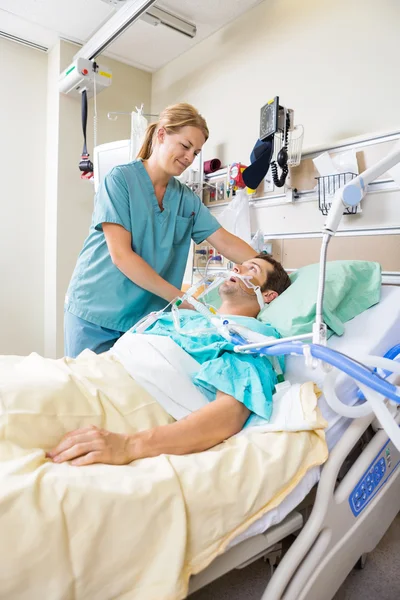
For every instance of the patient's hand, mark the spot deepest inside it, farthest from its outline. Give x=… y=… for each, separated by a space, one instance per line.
x=92 y=445
x=203 y=429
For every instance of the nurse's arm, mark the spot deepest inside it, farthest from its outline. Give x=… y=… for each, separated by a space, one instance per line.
x=201 y=430
x=231 y=246
x=119 y=242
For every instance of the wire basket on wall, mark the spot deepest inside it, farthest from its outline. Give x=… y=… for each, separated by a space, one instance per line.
x=327 y=186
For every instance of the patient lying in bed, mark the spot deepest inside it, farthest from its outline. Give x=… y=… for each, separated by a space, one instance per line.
x=241 y=386
x=165 y=517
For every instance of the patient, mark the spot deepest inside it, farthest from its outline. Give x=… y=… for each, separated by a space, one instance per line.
x=239 y=386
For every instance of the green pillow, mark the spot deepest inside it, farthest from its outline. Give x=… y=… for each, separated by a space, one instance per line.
x=351 y=287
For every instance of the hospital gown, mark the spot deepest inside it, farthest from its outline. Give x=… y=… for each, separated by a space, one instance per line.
x=249 y=378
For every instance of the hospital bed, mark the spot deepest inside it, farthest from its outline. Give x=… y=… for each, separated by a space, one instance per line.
x=358 y=492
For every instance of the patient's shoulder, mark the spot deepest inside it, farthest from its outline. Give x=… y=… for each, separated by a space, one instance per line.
x=256 y=326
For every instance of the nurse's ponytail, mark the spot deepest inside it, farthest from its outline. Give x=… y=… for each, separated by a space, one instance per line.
x=172 y=118
x=147 y=146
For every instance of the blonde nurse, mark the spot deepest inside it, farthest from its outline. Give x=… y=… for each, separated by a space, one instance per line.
x=134 y=257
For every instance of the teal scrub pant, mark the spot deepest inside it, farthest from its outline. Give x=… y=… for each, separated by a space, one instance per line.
x=80 y=335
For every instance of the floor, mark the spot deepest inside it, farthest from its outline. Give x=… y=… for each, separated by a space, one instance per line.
x=379 y=580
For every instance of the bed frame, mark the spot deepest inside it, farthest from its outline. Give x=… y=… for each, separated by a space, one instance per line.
x=336 y=535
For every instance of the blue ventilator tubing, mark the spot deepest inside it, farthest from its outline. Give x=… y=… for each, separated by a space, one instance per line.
x=357 y=371
x=237 y=339
x=391 y=354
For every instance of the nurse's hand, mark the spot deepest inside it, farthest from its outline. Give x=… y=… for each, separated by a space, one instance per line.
x=92 y=445
x=185 y=304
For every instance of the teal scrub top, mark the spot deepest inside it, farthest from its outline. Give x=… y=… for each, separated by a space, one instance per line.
x=99 y=292
x=250 y=378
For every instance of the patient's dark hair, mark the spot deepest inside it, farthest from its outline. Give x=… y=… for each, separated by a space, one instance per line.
x=278 y=280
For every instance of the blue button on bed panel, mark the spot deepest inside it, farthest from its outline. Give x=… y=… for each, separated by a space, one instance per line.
x=374 y=478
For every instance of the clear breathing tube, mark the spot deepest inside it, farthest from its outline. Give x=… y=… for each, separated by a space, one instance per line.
x=206 y=311
x=245 y=279
x=218 y=279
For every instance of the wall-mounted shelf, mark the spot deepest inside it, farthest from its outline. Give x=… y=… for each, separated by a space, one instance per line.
x=303 y=182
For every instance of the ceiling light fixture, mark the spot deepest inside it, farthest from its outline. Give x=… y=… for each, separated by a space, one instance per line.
x=159 y=16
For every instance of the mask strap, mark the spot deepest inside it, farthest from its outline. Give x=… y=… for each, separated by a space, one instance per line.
x=261 y=301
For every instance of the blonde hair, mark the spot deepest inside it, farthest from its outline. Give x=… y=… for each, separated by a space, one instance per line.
x=172 y=118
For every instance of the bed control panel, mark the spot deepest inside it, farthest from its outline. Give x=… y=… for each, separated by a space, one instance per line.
x=378 y=473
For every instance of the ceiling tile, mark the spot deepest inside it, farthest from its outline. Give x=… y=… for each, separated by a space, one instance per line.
x=72 y=19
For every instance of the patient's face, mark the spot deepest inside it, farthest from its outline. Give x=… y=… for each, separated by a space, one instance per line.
x=256 y=268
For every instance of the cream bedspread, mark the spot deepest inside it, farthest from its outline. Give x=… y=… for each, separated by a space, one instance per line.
x=132 y=532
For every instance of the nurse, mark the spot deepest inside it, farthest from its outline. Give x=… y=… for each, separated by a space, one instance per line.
x=134 y=257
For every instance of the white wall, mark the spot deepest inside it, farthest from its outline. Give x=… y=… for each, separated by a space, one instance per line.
x=51 y=202
x=45 y=207
x=334 y=62
x=22 y=196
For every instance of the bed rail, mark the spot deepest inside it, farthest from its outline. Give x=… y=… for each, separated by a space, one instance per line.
x=333 y=539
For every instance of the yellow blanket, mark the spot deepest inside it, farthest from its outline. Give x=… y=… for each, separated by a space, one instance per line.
x=132 y=532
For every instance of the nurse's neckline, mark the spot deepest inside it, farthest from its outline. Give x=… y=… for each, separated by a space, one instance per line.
x=158 y=197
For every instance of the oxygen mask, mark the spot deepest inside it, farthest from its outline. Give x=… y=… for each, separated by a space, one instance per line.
x=246 y=282
x=249 y=285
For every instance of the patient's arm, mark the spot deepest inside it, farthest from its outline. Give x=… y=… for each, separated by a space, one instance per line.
x=201 y=430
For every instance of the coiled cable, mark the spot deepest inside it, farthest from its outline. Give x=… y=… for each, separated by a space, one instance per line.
x=282 y=158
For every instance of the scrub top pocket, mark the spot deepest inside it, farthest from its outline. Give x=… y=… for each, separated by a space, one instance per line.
x=183 y=229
